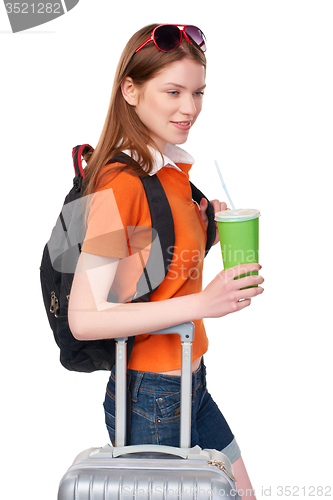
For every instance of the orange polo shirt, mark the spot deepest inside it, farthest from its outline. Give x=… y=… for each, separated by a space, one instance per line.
x=119 y=225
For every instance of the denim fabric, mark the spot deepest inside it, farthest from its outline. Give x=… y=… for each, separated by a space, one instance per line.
x=155 y=412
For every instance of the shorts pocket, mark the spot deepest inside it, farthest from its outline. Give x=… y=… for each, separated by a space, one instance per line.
x=168 y=405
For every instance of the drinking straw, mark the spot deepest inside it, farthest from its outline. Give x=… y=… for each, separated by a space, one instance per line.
x=224 y=186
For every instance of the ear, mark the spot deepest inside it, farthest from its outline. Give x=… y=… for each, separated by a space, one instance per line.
x=129 y=91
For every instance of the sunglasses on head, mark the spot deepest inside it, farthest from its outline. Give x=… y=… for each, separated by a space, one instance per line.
x=167 y=37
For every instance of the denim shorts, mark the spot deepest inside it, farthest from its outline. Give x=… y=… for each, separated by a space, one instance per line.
x=155 y=412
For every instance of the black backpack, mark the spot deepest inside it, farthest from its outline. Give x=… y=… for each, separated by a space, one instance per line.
x=57 y=270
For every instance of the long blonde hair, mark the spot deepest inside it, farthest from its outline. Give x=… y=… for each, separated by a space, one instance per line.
x=123 y=130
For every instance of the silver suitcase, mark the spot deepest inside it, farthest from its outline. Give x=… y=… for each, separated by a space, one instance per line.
x=151 y=472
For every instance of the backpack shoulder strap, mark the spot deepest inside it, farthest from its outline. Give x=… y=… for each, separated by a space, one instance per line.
x=162 y=224
x=161 y=215
x=197 y=196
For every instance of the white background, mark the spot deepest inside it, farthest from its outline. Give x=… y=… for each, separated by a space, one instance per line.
x=268 y=120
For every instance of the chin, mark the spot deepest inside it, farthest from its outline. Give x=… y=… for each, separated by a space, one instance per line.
x=180 y=140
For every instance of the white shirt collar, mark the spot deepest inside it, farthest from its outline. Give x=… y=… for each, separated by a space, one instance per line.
x=172 y=155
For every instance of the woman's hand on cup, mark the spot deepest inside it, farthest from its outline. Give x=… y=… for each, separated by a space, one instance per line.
x=225 y=294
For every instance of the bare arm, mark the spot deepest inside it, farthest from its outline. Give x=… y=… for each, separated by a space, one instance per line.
x=92 y=317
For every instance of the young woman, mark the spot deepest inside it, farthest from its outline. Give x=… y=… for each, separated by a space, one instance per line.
x=156 y=99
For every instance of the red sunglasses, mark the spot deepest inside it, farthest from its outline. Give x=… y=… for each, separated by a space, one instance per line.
x=167 y=37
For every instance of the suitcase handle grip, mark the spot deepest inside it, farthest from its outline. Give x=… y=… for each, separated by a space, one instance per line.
x=186 y=333
x=149 y=448
x=184 y=330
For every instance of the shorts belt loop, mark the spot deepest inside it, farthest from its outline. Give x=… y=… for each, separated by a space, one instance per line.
x=137 y=384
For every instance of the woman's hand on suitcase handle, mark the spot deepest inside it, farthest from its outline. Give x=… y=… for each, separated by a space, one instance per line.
x=224 y=294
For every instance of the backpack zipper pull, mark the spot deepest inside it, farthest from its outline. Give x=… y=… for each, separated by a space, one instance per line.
x=223 y=468
x=54 y=303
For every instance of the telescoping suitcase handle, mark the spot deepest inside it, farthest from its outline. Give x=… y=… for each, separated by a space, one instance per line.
x=186 y=333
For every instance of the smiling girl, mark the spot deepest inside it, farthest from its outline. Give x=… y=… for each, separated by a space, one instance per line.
x=157 y=97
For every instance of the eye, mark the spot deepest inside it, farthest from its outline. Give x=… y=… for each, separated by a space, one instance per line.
x=173 y=93
x=200 y=94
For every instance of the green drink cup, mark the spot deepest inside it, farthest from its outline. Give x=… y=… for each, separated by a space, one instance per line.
x=239 y=237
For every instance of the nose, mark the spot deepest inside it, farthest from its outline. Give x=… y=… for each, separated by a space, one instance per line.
x=188 y=107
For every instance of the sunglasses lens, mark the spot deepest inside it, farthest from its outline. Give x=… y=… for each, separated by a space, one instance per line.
x=167 y=37
x=197 y=37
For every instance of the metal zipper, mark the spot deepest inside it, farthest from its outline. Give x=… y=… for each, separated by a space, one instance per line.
x=222 y=467
x=54 y=306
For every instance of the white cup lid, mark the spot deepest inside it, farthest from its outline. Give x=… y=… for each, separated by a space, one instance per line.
x=241 y=214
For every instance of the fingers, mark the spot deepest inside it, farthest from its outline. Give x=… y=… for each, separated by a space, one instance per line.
x=236 y=271
x=240 y=297
x=248 y=281
x=203 y=204
x=203 y=207
x=225 y=294
x=218 y=205
x=246 y=287
x=247 y=293
x=241 y=304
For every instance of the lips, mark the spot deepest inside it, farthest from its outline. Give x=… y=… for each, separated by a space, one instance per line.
x=183 y=125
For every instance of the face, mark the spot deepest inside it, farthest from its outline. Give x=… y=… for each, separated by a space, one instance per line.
x=171 y=101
